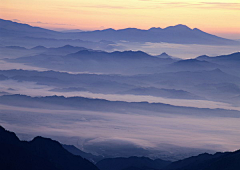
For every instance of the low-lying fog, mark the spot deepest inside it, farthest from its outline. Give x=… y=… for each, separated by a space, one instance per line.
x=8 y=66
x=184 y=51
x=151 y=134
x=88 y=130
x=32 y=89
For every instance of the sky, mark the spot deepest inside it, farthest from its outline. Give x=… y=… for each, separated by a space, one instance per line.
x=219 y=17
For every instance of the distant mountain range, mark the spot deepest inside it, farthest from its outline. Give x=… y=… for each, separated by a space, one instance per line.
x=17 y=51
x=15 y=34
x=179 y=34
x=79 y=59
x=44 y=153
x=231 y=60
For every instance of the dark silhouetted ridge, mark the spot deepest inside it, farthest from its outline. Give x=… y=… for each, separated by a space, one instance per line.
x=218 y=161
x=38 y=154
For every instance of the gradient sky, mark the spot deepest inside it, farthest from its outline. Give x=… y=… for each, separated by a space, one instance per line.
x=215 y=16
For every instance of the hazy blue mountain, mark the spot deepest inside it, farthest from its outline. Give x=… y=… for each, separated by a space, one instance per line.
x=75 y=151
x=18 y=34
x=30 y=42
x=165 y=55
x=40 y=153
x=179 y=34
x=101 y=55
x=168 y=93
x=15 y=52
x=126 y=62
x=65 y=82
x=230 y=63
x=220 y=89
x=131 y=162
x=223 y=59
x=80 y=59
x=64 y=50
x=192 y=65
x=39 y=47
x=18 y=51
x=102 y=105
x=188 y=78
x=213 y=85
x=13 y=29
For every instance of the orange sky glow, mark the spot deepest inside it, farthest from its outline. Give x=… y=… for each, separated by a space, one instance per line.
x=215 y=16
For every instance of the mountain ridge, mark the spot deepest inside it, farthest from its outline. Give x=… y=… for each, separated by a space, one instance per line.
x=103 y=105
x=179 y=34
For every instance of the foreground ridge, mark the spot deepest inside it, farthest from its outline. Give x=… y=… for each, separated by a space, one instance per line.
x=45 y=153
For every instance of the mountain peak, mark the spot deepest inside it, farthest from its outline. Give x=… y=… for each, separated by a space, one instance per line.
x=130 y=52
x=155 y=28
x=202 y=58
x=67 y=47
x=40 y=138
x=164 y=55
x=179 y=27
x=196 y=29
x=129 y=29
x=217 y=70
x=46 y=142
x=109 y=29
x=39 y=47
